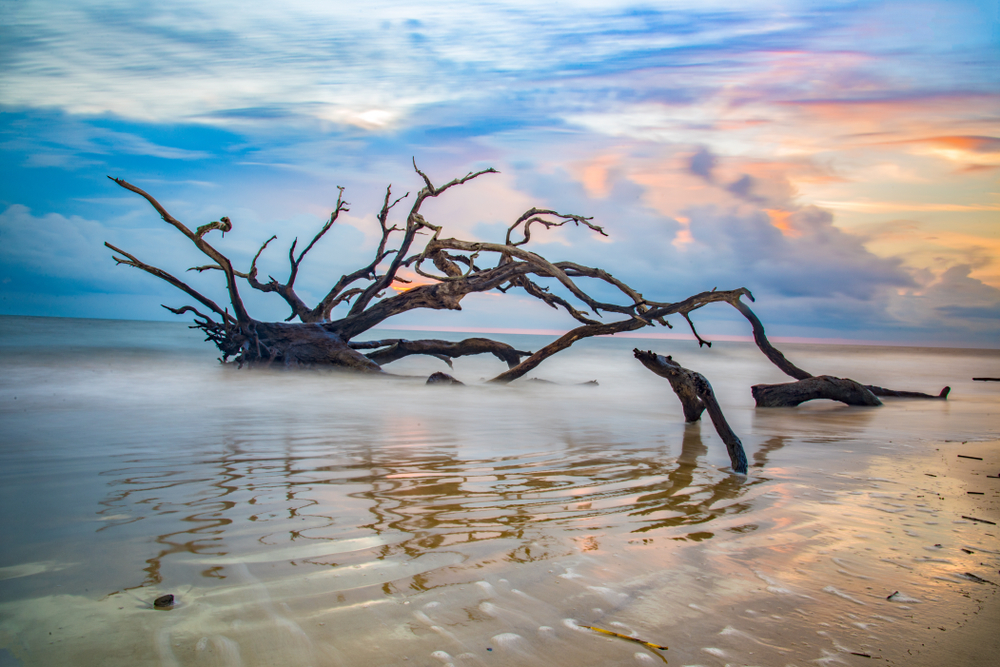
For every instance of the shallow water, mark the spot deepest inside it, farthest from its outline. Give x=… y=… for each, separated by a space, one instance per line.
x=316 y=518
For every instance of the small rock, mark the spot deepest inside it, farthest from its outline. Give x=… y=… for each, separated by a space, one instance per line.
x=164 y=601
x=442 y=378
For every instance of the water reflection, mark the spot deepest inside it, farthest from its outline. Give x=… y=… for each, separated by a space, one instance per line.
x=399 y=504
x=681 y=501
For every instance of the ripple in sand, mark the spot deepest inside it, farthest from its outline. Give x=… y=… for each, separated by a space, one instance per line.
x=834 y=591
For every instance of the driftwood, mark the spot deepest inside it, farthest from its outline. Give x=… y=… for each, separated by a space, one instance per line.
x=882 y=391
x=791 y=394
x=844 y=390
x=449 y=268
x=696 y=395
x=389 y=350
x=682 y=381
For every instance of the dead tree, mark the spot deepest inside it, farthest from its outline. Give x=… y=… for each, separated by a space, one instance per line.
x=453 y=269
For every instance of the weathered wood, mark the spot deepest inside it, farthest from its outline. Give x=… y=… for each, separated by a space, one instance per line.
x=455 y=269
x=302 y=344
x=771 y=352
x=882 y=391
x=696 y=395
x=392 y=349
x=681 y=380
x=791 y=394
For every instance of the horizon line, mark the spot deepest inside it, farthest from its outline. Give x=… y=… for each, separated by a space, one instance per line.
x=521 y=331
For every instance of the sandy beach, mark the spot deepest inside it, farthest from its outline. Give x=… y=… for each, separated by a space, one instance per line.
x=973 y=639
x=333 y=520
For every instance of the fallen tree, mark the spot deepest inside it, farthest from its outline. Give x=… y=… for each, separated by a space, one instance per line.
x=453 y=269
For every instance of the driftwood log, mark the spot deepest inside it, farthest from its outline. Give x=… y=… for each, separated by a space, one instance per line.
x=791 y=394
x=696 y=395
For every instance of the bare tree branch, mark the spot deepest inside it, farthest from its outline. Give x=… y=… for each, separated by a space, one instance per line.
x=534 y=215
x=771 y=352
x=392 y=349
x=341 y=206
x=131 y=260
x=414 y=224
x=234 y=296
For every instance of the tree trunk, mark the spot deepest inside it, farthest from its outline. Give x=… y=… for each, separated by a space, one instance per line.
x=682 y=381
x=302 y=344
x=391 y=349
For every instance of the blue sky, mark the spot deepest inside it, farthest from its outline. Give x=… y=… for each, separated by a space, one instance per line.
x=839 y=159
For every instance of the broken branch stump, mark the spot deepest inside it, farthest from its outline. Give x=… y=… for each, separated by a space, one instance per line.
x=696 y=396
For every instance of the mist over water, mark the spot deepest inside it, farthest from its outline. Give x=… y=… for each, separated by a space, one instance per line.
x=316 y=517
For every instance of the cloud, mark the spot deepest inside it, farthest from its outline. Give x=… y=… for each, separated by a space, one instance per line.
x=376 y=65
x=953 y=303
x=718 y=146
x=702 y=164
x=58 y=140
x=971 y=152
x=818 y=259
x=971 y=144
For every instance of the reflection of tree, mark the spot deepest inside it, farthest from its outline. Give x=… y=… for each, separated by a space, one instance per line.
x=421 y=502
x=683 y=499
x=429 y=497
x=773 y=444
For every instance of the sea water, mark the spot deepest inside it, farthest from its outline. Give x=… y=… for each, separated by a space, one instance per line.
x=323 y=518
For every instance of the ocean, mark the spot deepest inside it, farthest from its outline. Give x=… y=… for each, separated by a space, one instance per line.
x=325 y=518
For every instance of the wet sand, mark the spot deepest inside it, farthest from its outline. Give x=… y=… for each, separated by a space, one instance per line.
x=975 y=640
x=315 y=519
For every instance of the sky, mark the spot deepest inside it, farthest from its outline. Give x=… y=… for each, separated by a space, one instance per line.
x=839 y=159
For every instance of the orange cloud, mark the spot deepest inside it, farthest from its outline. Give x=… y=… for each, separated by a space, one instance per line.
x=683 y=237
x=594 y=174
x=971 y=144
x=972 y=151
x=781 y=220
x=895 y=207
